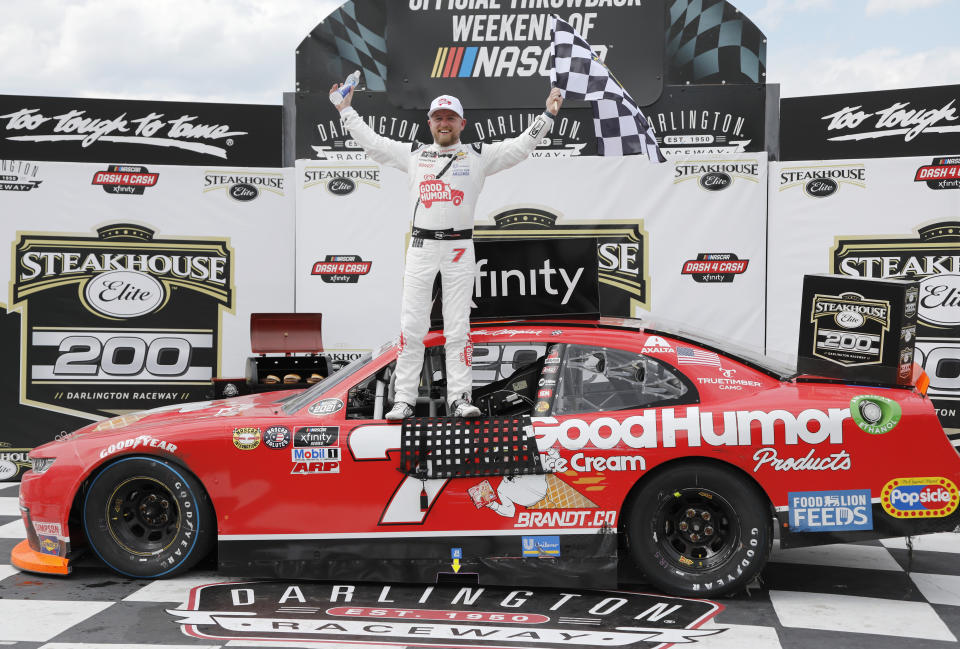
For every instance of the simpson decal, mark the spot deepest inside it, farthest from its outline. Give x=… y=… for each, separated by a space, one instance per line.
x=121 y=320
x=331 y=614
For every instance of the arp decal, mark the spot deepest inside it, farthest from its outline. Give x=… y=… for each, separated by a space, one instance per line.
x=919 y=497
x=830 y=511
x=336 y=615
x=875 y=414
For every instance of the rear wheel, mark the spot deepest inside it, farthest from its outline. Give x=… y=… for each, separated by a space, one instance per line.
x=698 y=529
x=145 y=517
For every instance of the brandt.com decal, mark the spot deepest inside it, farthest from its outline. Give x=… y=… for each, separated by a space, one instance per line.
x=120 y=320
x=336 y=615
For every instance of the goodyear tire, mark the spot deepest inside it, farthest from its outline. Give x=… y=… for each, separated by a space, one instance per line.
x=698 y=529
x=148 y=518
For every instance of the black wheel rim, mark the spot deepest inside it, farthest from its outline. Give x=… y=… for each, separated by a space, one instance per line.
x=696 y=529
x=143 y=516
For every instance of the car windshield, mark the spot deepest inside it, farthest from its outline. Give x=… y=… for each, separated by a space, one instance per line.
x=298 y=401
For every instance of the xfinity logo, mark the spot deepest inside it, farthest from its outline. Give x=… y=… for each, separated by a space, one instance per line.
x=729 y=428
x=546 y=279
x=181 y=132
x=898 y=119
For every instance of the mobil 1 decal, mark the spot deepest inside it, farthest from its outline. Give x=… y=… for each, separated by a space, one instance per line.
x=336 y=614
x=622 y=252
x=932 y=257
x=121 y=319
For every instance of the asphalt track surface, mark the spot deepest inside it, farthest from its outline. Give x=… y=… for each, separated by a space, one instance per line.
x=881 y=595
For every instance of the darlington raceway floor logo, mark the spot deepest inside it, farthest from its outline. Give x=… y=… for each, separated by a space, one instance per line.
x=440 y=616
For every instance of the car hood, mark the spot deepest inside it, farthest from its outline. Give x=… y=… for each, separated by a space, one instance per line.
x=252 y=405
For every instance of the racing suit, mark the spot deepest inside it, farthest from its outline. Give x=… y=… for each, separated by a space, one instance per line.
x=444 y=185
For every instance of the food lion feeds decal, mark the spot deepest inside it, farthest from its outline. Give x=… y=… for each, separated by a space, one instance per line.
x=334 y=614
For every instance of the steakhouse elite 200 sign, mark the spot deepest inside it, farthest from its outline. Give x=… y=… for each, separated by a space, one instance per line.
x=122 y=320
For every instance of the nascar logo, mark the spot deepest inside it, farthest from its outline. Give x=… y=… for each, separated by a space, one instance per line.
x=920 y=497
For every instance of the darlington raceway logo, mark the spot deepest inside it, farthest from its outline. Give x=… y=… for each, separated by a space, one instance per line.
x=715 y=267
x=440 y=616
x=183 y=132
x=942 y=173
x=122 y=319
x=341 y=180
x=341 y=269
x=336 y=143
x=622 y=254
x=824 y=180
x=699 y=132
x=18 y=176
x=125 y=179
x=241 y=185
x=716 y=176
x=848 y=329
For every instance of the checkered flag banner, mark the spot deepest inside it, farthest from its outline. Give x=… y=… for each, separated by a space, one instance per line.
x=620 y=125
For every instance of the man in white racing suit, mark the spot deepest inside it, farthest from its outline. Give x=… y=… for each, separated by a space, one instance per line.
x=445 y=180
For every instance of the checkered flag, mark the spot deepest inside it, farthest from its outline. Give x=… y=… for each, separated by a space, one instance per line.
x=620 y=126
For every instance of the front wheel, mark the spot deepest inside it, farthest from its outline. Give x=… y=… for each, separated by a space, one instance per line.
x=698 y=529
x=147 y=518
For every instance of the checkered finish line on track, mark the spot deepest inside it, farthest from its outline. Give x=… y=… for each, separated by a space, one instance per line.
x=877 y=595
x=620 y=125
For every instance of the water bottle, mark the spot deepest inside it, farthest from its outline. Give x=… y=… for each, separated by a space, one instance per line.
x=337 y=96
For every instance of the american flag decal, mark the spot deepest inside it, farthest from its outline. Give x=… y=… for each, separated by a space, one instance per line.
x=690 y=356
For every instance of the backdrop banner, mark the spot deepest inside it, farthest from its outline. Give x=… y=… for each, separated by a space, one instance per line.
x=679 y=243
x=131 y=286
x=880 y=218
x=73 y=129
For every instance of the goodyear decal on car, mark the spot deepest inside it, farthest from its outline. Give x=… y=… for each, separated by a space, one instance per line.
x=875 y=414
x=920 y=497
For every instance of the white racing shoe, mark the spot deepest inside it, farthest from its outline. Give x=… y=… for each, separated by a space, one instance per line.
x=463 y=408
x=400 y=410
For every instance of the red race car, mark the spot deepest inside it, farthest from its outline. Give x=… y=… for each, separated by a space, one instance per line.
x=600 y=441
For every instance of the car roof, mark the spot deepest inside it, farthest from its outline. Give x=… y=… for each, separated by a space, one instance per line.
x=631 y=326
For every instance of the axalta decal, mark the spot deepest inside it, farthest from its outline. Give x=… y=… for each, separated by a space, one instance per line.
x=659 y=429
x=942 y=173
x=823 y=180
x=341 y=180
x=716 y=175
x=441 y=616
x=141 y=441
x=182 y=132
x=919 y=497
x=125 y=179
x=241 y=185
x=715 y=267
x=18 y=176
x=341 y=269
x=120 y=320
